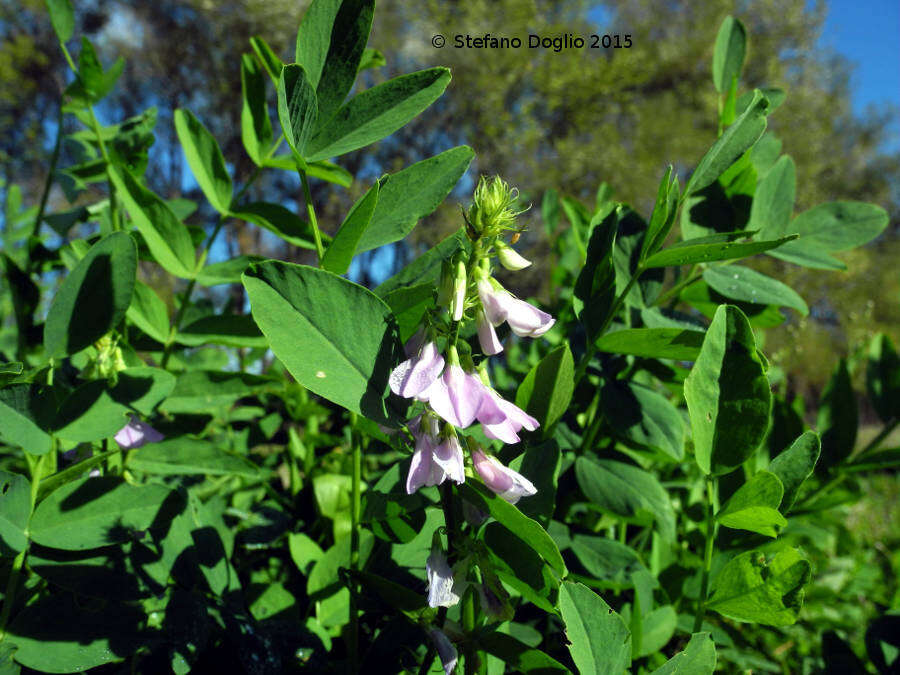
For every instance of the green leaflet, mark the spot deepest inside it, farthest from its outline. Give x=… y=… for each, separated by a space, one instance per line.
x=599 y=641
x=349 y=35
x=188 y=456
x=628 y=492
x=335 y=337
x=883 y=377
x=742 y=283
x=97 y=512
x=728 y=55
x=277 y=219
x=838 y=418
x=794 y=465
x=15 y=510
x=547 y=389
x=205 y=159
x=752 y=588
x=754 y=506
x=94 y=296
x=697 y=658
x=167 y=238
x=297 y=108
x=643 y=417
x=340 y=252
x=515 y=521
x=256 y=127
x=57 y=634
x=710 y=249
x=773 y=201
x=657 y=343
x=727 y=394
x=21 y=408
x=736 y=140
x=62 y=16
x=148 y=312
x=376 y=113
x=411 y=194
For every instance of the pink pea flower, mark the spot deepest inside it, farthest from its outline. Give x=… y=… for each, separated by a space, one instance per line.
x=487 y=336
x=524 y=320
x=445 y=650
x=435 y=459
x=457 y=396
x=418 y=372
x=513 y=419
x=136 y=433
x=509 y=484
x=443 y=591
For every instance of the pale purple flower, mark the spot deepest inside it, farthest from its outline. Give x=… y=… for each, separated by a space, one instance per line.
x=418 y=372
x=136 y=433
x=457 y=396
x=415 y=343
x=445 y=650
x=512 y=421
x=435 y=459
x=487 y=336
x=443 y=591
x=524 y=320
x=509 y=484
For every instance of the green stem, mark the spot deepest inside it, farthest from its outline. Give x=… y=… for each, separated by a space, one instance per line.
x=186 y=297
x=592 y=349
x=468 y=621
x=54 y=158
x=875 y=442
x=673 y=292
x=356 y=441
x=35 y=464
x=708 y=551
x=311 y=214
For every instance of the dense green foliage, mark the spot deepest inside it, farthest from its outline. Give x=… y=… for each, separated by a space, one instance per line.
x=229 y=488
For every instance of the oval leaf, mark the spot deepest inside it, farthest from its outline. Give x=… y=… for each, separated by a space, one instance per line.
x=205 y=159
x=94 y=297
x=335 y=337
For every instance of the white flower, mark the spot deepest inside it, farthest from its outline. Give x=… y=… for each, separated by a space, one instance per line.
x=442 y=589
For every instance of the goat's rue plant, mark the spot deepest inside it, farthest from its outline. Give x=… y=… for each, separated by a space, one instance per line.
x=434 y=473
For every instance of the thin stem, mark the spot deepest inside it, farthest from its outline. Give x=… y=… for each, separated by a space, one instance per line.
x=468 y=621
x=875 y=442
x=708 y=552
x=592 y=348
x=311 y=214
x=207 y=247
x=673 y=292
x=356 y=442
x=98 y=132
x=35 y=465
x=54 y=158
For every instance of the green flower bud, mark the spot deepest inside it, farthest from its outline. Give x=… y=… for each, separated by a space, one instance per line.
x=491 y=211
x=509 y=258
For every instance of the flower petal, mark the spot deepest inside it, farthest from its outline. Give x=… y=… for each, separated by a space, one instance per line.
x=415 y=375
x=487 y=336
x=449 y=456
x=440 y=581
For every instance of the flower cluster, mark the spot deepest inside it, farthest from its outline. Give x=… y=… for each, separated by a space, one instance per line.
x=455 y=393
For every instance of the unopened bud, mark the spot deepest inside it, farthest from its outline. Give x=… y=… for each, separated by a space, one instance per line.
x=510 y=259
x=458 y=299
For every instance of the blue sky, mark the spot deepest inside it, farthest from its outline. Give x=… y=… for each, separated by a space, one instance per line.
x=868 y=33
